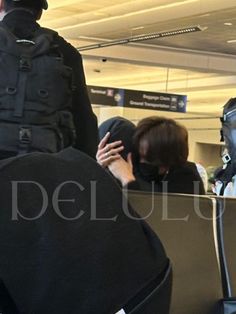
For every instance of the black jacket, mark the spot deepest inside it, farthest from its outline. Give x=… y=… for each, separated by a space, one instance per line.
x=183 y=179
x=82 y=254
x=22 y=23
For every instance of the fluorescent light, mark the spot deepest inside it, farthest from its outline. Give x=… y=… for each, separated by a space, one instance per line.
x=205 y=15
x=231 y=41
x=138 y=38
x=228 y=24
x=137 y=28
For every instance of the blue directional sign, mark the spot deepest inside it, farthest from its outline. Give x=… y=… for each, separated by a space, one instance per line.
x=108 y=96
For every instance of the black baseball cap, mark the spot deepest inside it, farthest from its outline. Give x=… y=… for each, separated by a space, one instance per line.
x=43 y=3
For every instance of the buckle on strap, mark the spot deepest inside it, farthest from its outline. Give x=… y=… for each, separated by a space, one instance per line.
x=25 y=64
x=25 y=135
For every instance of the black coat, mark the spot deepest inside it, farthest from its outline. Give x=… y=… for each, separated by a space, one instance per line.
x=183 y=179
x=59 y=263
x=23 y=24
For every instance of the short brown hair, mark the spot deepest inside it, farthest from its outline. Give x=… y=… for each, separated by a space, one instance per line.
x=164 y=141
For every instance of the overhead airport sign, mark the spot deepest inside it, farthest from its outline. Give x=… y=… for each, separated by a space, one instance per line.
x=108 y=96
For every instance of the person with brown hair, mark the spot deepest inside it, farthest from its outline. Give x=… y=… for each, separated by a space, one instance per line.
x=159 y=159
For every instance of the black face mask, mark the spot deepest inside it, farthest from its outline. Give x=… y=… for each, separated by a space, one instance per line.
x=149 y=172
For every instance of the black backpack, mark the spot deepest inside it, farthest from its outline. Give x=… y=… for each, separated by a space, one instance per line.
x=228 y=134
x=35 y=94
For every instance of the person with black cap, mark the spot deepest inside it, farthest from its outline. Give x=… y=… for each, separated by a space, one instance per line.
x=19 y=17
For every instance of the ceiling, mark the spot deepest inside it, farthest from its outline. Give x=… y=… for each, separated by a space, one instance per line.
x=201 y=65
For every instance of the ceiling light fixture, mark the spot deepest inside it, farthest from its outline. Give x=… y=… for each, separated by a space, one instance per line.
x=231 y=41
x=137 y=28
x=138 y=38
x=228 y=23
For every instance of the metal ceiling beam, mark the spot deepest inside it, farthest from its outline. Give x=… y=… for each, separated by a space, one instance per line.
x=164 y=57
x=139 y=38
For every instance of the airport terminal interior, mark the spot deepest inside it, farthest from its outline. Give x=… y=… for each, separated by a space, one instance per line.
x=200 y=65
x=171 y=58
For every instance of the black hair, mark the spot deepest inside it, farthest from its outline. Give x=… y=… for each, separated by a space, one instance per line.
x=120 y=129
